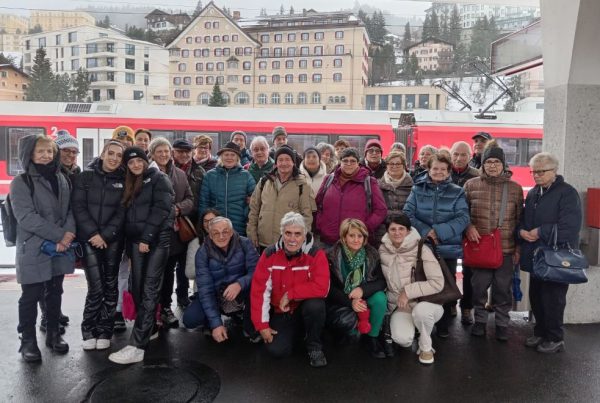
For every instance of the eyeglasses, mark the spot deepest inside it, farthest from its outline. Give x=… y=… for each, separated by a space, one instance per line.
x=540 y=172
x=492 y=163
x=395 y=164
x=349 y=162
x=374 y=151
x=202 y=148
x=70 y=152
x=217 y=234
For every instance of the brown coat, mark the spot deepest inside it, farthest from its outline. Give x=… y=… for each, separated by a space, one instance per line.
x=484 y=195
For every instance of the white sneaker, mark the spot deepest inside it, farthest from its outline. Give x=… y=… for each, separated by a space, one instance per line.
x=102 y=344
x=89 y=344
x=127 y=355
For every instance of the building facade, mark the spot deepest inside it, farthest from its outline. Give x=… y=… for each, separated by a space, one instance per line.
x=54 y=20
x=311 y=60
x=120 y=68
x=13 y=83
x=404 y=98
x=432 y=54
x=12 y=27
x=159 y=21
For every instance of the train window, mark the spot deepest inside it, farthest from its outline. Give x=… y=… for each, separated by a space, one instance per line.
x=88 y=151
x=169 y=135
x=533 y=147
x=301 y=142
x=357 y=142
x=511 y=151
x=14 y=134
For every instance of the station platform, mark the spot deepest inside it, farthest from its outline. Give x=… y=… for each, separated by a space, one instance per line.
x=184 y=366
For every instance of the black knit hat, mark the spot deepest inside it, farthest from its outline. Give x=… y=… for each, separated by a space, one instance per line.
x=231 y=146
x=493 y=151
x=285 y=149
x=350 y=152
x=313 y=149
x=134 y=152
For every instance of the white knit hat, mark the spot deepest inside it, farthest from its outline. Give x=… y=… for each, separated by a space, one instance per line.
x=65 y=140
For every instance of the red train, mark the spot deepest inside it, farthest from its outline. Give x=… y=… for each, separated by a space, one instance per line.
x=93 y=124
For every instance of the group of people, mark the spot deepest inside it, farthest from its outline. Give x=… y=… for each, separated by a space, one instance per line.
x=283 y=243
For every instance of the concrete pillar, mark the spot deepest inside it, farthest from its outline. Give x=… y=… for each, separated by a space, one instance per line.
x=571 y=51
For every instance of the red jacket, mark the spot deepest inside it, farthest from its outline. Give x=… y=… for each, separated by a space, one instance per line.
x=302 y=277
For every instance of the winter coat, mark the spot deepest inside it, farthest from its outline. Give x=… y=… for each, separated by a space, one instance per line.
x=418 y=171
x=215 y=270
x=337 y=204
x=195 y=174
x=209 y=164
x=372 y=282
x=443 y=208
x=378 y=172
x=246 y=157
x=302 y=276
x=484 y=196
x=397 y=265
x=96 y=202
x=70 y=173
x=460 y=178
x=316 y=180
x=475 y=161
x=150 y=216
x=395 y=198
x=228 y=190
x=559 y=204
x=258 y=172
x=268 y=205
x=40 y=216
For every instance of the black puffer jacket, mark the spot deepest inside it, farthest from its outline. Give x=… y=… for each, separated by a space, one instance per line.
x=150 y=216
x=96 y=202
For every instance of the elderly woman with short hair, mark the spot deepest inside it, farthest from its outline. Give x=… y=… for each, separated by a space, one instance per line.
x=328 y=156
x=425 y=154
x=551 y=203
x=261 y=163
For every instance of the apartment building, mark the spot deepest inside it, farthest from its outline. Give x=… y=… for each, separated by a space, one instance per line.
x=51 y=20
x=404 y=98
x=12 y=27
x=432 y=54
x=159 y=21
x=13 y=83
x=311 y=60
x=120 y=68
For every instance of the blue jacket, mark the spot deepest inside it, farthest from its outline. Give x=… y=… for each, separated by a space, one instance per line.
x=229 y=191
x=443 y=208
x=215 y=270
x=559 y=204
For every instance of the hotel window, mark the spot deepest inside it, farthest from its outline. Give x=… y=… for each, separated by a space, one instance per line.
x=319 y=36
x=289 y=98
x=339 y=34
x=199 y=66
x=304 y=36
x=278 y=37
x=289 y=78
x=247 y=79
x=318 y=50
x=317 y=78
x=182 y=67
x=337 y=62
x=289 y=64
x=302 y=98
x=199 y=80
x=275 y=98
x=302 y=78
x=275 y=78
x=337 y=77
x=185 y=53
x=262 y=99
x=339 y=49
x=291 y=37
x=220 y=66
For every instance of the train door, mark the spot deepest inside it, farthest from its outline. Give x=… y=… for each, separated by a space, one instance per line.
x=91 y=141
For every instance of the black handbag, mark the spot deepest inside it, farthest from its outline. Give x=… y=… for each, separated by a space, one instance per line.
x=559 y=265
x=450 y=292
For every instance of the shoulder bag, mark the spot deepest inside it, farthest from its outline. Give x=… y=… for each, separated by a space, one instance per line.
x=559 y=265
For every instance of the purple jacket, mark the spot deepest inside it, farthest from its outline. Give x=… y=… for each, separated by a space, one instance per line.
x=337 y=204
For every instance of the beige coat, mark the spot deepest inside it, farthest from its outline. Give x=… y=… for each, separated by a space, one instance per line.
x=315 y=181
x=268 y=206
x=397 y=265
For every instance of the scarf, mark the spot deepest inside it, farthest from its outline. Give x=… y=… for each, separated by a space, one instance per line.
x=343 y=178
x=353 y=268
x=48 y=172
x=394 y=182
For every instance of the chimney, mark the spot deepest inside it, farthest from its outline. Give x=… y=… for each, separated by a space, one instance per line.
x=236 y=15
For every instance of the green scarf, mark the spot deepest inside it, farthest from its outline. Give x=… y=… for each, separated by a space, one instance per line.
x=353 y=268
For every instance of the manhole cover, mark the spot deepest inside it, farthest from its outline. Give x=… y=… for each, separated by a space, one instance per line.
x=157 y=383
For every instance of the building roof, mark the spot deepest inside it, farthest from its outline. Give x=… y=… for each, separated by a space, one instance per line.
x=430 y=39
x=12 y=67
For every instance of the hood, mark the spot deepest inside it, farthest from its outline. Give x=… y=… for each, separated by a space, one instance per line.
x=322 y=170
x=26 y=146
x=410 y=242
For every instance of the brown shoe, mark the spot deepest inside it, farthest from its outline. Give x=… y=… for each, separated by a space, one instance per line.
x=426 y=357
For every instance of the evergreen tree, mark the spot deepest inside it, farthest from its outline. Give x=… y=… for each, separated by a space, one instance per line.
x=291 y=10
x=384 y=64
x=281 y=10
x=35 y=30
x=105 y=23
x=216 y=98
x=516 y=88
x=407 y=38
x=459 y=58
x=62 y=87
x=81 y=86
x=444 y=28
x=419 y=77
x=135 y=33
x=455 y=27
x=426 y=33
x=435 y=25
x=477 y=48
x=7 y=60
x=41 y=83
x=198 y=8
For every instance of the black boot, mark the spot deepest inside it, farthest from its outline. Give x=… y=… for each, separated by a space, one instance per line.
x=63 y=319
x=29 y=349
x=55 y=341
x=374 y=347
x=385 y=338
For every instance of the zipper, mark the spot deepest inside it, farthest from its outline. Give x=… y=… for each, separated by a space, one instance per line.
x=101 y=201
x=226 y=192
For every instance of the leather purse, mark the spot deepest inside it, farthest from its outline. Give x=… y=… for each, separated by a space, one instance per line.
x=186 y=229
x=559 y=265
x=487 y=253
x=450 y=292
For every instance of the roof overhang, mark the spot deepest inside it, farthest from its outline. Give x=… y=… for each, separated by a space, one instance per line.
x=518 y=51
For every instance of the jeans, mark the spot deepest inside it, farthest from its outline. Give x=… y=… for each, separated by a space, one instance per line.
x=194 y=316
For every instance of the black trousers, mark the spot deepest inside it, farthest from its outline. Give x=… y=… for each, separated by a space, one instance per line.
x=467 y=300
x=51 y=292
x=101 y=273
x=548 y=301
x=175 y=267
x=146 y=280
x=444 y=322
x=308 y=317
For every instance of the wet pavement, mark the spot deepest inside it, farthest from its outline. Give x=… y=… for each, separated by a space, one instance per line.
x=185 y=366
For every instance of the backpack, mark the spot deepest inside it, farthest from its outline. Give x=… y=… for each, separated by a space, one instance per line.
x=263 y=180
x=9 y=221
x=367 y=185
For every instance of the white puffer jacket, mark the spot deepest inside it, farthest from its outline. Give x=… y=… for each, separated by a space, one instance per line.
x=397 y=265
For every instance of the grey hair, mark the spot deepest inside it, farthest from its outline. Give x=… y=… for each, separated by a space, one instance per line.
x=398 y=146
x=461 y=143
x=545 y=158
x=259 y=139
x=157 y=142
x=219 y=219
x=291 y=218
x=325 y=146
x=428 y=147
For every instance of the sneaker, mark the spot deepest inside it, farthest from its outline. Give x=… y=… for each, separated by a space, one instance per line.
x=549 y=347
x=120 y=325
x=466 y=318
x=533 y=341
x=478 y=329
x=127 y=355
x=426 y=357
x=89 y=344
x=317 y=359
x=168 y=318
x=102 y=344
x=453 y=311
x=501 y=333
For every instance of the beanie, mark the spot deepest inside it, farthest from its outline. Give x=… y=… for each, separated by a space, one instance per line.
x=134 y=152
x=313 y=149
x=373 y=143
x=350 y=152
x=240 y=133
x=65 y=140
x=285 y=149
x=492 y=150
x=279 y=131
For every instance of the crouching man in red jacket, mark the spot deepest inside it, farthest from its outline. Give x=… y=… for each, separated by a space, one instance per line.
x=288 y=292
